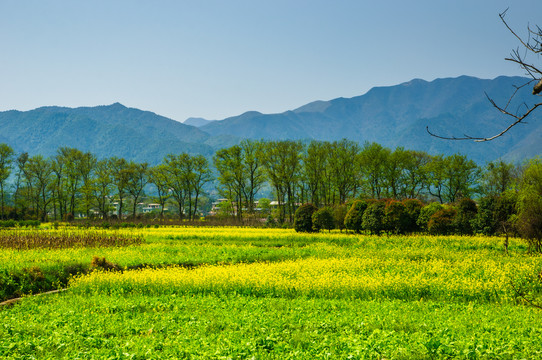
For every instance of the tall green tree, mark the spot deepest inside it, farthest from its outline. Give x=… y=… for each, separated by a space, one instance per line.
x=121 y=175
x=87 y=167
x=201 y=174
x=240 y=174
x=373 y=158
x=39 y=178
x=254 y=170
x=436 y=177
x=415 y=174
x=453 y=177
x=179 y=181
x=530 y=204
x=394 y=172
x=461 y=177
x=19 y=199
x=137 y=179
x=344 y=168
x=59 y=189
x=315 y=167
x=232 y=176
x=158 y=176
x=102 y=185
x=6 y=159
x=71 y=159
x=282 y=162
x=497 y=177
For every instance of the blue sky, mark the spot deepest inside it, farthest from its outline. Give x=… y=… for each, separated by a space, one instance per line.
x=215 y=59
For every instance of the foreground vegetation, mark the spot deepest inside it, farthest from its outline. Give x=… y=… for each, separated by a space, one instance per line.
x=273 y=293
x=245 y=327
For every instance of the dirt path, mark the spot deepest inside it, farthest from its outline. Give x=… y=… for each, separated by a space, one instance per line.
x=13 y=301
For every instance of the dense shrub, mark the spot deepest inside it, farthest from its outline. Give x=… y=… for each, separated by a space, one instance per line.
x=373 y=217
x=505 y=212
x=530 y=219
x=425 y=215
x=21 y=223
x=33 y=280
x=103 y=264
x=465 y=216
x=413 y=209
x=8 y=223
x=270 y=221
x=395 y=217
x=442 y=222
x=485 y=221
x=323 y=219
x=303 y=218
x=339 y=214
x=354 y=217
x=530 y=205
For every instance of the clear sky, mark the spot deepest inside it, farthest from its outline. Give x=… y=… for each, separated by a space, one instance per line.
x=215 y=59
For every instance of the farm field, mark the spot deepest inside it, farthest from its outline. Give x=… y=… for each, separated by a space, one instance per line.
x=244 y=293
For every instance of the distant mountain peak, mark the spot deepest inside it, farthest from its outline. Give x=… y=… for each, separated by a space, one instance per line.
x=251 y=113
x=315 y=106
x=197 y=122
x=414 y=82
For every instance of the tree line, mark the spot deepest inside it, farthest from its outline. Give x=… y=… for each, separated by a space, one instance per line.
x=330 y=173
x=322 y=173
x=75 y=181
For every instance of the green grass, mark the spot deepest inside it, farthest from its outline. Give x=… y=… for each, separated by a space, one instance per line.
x=243 y=327
x=414 y=297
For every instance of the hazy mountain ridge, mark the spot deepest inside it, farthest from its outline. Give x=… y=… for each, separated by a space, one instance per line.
x=392 y=116
x=197 y=122
x=398 y=116
x=113 y=130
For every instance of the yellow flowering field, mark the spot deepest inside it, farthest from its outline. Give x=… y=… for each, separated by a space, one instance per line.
x=242 y=293
x=471 y=278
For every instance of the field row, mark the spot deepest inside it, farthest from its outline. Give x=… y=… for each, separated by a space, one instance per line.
x=365 y=278
x=41 y=269
x=243 y=327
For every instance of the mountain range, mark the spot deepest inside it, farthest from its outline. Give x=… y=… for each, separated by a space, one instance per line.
x=392 y=116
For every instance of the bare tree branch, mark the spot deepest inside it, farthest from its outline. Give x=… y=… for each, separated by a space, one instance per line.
x=533 y=44
x=522 y=295
x=527 y=44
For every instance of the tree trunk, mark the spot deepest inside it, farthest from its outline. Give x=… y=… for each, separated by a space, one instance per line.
x=2 y=195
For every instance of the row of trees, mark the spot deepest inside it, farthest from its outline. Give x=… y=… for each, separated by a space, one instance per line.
x=329 y=173
x=403 y=217
x=515 y=209
x=323 y=173
x=73 y=180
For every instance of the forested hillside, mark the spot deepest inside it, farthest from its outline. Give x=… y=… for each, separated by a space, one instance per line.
x=392 y=116
x=105 y=131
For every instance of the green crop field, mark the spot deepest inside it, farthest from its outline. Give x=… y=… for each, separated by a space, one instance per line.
x=241 y=293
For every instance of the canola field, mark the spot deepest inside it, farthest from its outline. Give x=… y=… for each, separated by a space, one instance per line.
x=242 y=293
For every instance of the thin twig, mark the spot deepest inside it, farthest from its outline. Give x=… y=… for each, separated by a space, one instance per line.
x=522 y=295
x=534 y=72
x=527 y=45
